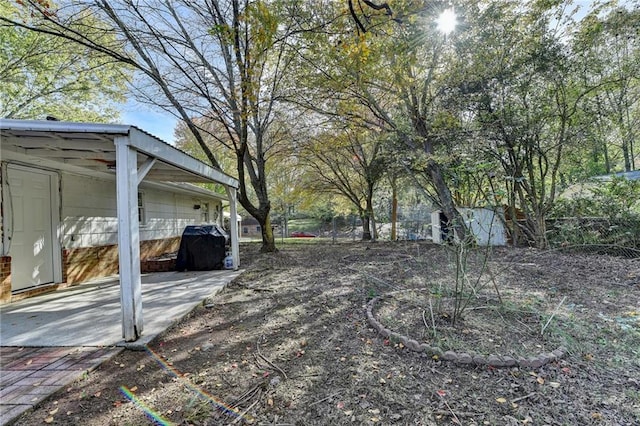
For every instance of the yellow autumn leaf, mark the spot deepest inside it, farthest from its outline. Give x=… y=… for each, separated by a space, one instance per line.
x=54 y=411
x=540 y=380
x=554 y=384
x=501 y=400
x=49 y=419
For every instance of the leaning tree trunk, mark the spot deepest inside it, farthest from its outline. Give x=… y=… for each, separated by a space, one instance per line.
x=446 y=200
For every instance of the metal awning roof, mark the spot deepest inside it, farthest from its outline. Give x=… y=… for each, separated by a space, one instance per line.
x=90 y=148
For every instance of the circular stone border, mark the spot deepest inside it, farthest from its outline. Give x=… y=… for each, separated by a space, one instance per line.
x=462 y=358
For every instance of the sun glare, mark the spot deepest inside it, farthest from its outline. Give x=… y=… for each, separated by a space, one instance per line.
x=447 y=21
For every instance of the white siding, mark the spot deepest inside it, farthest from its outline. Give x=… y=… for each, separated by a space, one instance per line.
x=89 y=212
x=486 y=226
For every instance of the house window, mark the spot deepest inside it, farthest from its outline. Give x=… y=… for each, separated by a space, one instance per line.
x=245 y=230
x=205 y=213
x=142 y=219
x=258 y=228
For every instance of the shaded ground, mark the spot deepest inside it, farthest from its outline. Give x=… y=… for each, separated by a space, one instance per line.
x=288 y=342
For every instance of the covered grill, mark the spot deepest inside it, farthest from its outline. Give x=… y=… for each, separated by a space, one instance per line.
x=202 y=248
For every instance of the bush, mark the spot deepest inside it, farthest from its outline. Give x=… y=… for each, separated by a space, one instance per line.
x=608 y=214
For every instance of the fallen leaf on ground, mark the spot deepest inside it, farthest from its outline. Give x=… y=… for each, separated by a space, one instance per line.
x=48 y=420
x=501 y=400
x=54 y=411
x=441 y=392
x=554 y=384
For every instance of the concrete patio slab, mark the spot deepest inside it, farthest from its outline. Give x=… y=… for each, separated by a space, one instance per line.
x=90 y=315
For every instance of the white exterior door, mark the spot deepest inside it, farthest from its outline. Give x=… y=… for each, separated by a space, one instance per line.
x=31 y=228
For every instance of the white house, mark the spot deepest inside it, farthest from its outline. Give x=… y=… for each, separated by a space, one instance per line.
x=82 y=200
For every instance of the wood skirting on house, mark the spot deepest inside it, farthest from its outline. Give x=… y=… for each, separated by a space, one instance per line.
x=88 y=263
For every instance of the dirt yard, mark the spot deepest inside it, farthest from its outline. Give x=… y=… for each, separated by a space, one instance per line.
x=290 y=343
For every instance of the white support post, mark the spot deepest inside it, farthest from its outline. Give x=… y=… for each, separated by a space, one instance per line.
x=233 y=223
x=128 y=239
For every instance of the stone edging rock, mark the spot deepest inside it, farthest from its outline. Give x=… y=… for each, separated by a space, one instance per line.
x=463 y=358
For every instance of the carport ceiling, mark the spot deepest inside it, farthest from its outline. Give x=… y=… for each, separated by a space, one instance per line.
x=90 y=149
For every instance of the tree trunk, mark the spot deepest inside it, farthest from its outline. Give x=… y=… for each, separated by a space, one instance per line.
x=394 y=210
x=268 y=240
x=372 y=219
x=541 y=232
x=366 y=226
x=445 y=199
x=285 y=228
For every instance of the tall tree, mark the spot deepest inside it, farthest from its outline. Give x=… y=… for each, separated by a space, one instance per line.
x=44 y=75
x=221 y=59
x=349 y=164
x=524 y=103
x=389 y=60
x=607 y=46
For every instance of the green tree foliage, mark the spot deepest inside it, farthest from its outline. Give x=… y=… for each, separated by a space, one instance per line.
x=607 y=47
x=349 y=164
x=522 y=99
x=522 y=104
x=387 y=60
x=45 y=75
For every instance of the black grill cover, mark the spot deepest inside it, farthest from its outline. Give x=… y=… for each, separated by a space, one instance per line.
x=202 y=248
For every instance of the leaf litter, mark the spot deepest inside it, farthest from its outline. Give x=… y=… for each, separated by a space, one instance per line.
x=293 y=327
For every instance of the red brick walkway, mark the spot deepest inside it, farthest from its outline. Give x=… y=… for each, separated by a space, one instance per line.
x=29 y=375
